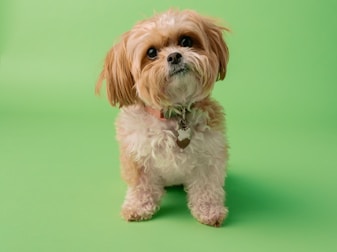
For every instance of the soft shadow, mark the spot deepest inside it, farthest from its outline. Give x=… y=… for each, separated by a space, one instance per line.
x=251 y=198
x=248 y=199
x=174 y=204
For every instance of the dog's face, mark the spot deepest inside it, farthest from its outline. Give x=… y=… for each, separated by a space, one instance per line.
x=172 y=58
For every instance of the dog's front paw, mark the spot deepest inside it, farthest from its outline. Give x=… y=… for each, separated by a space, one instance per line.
x=138 y=211
x=210 y=214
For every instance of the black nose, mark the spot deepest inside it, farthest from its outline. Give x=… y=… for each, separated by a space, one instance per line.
x=174 y=58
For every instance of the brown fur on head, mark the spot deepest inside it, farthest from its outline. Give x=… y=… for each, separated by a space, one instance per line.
x=132 y=75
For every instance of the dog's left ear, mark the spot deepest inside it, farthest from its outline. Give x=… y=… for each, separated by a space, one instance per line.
x=218 y=45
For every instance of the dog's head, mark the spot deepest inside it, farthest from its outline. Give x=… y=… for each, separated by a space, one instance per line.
x=173 y=58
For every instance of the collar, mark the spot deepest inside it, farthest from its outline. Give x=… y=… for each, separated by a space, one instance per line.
x=156 y=113
x=170 y=112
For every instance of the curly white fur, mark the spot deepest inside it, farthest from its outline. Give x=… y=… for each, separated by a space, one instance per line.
x=200 y=167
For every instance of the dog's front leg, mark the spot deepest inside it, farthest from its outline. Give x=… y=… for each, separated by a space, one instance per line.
x=142 y=198
x=206 y=197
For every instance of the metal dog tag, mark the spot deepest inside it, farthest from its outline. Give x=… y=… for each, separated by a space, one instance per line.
x=184 y=137
x=184 y=132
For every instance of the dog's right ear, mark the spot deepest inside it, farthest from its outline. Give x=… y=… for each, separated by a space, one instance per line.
x=117 y=74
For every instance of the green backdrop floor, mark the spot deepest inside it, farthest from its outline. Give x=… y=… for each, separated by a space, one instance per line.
x=60 y=188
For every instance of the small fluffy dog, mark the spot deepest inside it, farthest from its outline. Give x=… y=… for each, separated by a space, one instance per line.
x=161 y=73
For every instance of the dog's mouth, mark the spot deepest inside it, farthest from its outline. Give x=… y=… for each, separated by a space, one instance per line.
x=179 y=70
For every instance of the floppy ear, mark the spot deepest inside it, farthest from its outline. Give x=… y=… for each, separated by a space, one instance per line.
x=218 y=46
x=117 y=74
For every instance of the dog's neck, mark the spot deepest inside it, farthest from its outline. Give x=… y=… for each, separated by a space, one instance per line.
x=155 y=112
x=178 y=113
x=171 y=112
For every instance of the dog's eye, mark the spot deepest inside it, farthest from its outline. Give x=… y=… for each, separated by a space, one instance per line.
x=152 y=53
x=186 y=41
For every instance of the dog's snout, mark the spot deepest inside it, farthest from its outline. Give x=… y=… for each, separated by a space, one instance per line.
x=174 y=58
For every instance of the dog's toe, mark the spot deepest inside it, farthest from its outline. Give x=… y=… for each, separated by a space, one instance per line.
x=138 y=212
x=211 y=215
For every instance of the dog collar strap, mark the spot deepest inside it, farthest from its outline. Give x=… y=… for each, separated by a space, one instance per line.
x=155 y=112
x=177 y=111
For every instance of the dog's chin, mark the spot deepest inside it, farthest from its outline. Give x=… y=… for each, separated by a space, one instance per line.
x=183 y=87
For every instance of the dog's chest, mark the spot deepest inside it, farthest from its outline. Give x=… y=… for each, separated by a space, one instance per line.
x=152 y=143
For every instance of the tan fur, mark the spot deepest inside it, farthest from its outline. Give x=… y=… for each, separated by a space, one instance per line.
x=121 y=87
x=216 y=115
x=219 y=46
x=131 y=171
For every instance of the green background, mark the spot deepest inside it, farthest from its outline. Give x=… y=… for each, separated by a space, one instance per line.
x=60 y=188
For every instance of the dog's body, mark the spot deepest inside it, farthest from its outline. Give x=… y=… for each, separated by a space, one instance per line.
x=170 y=131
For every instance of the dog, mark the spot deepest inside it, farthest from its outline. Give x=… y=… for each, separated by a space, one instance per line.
x=171 y=132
